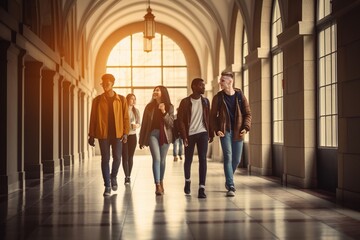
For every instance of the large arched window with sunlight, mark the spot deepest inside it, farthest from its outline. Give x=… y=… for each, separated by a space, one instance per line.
x=327 y=80
x=139 y=72
x=277 y=77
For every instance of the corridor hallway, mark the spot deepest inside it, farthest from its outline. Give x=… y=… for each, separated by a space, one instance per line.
x=70 y=205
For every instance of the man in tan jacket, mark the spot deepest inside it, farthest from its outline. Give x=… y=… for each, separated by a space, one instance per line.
x=109 y=123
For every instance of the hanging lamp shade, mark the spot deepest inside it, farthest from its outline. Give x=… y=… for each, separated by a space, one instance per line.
x=147 y=45
x=149 y=22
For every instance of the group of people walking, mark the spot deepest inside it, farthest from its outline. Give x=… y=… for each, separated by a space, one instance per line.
x=114 y=120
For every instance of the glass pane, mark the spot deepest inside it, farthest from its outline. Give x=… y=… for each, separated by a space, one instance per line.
x=321 y=44
x=120 y=54
x=122 y=91
x=335 y=131
x=122 y=76
x=176 y=94
x=321 y=72
x=175 y=76
x=322 y=131
x=333 y=68
x=327 y=100
x=141 y=58
x=322 y=101
x=327 y=40
x=328 y=70
x=143 y=97
x=147 y=77
x=172 y=54
x=328 y=129
x=333 y=99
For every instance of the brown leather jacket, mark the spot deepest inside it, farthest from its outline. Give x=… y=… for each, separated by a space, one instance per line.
x=220 y=119
x=184 y=116
x=147 y=119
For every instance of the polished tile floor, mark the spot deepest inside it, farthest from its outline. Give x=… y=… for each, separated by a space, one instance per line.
x=70 y=205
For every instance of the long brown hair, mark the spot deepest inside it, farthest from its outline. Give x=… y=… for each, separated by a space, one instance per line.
x=137 y=117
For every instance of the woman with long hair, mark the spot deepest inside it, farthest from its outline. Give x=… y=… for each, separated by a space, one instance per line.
x=157 y=132
x=129 y=147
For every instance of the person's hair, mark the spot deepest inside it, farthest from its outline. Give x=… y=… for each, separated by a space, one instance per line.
x=108 y=76
x=165 y=97
x=227 y=73
x=196 y=81
x=133 y=108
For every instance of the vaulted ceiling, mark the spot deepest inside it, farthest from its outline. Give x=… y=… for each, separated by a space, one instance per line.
x=202 y=22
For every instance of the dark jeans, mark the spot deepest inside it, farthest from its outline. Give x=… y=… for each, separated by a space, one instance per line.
x=116 y=146
x=128 y=154
x=201 y=142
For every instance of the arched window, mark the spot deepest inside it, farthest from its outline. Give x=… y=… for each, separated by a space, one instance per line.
x=139 y=72
x=327 y=76
x=277 y=77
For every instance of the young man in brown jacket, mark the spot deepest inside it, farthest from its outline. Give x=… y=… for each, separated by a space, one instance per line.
x=193 y=122
x=109 y=123
x=230 y=120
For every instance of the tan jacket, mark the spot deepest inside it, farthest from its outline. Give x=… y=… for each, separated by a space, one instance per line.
x=99 y=117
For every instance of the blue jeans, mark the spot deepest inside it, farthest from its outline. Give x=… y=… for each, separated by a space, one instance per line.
x=116 y=146
x=201 y=142
x=158 y=154
x=232 y=151
x=178 y=147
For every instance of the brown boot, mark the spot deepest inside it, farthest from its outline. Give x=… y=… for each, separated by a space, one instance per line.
x=162 y=186
x=158 y=189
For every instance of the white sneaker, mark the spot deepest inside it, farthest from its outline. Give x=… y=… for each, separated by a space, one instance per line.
x=231 y=192
x=107 y=191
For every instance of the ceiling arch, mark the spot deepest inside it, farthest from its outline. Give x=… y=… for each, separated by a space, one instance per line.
x=201 y=22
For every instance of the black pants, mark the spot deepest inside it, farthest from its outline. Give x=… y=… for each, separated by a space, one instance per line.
x=201 y=142
x=128 y=150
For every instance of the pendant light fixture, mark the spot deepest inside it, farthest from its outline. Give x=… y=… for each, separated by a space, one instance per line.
x=149 y=29
x=149 y=22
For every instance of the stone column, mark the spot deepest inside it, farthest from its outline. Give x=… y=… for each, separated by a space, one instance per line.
x=11 y=166
x=260 y=161
x=66 y=118
x=32 y=120
x=61 y=122
x=74 y=123
x=50 y=122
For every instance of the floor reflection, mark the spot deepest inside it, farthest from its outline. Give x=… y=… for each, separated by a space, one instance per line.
x=70 y=205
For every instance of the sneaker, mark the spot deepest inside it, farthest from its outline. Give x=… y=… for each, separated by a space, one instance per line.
x=114 y=184
x=227 y=187
x=107 y=191
x=187 y=187
x=180 y=157
x=175 y=159
x=127 y=180
x=201 y=193
x=231 y=192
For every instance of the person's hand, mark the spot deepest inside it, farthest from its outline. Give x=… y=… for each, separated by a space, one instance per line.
x=211 y=139
x=162 y=108
x=186 y=142
x=220 y=134
x=91 y=141
x=243 y=132
x=124 y=138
